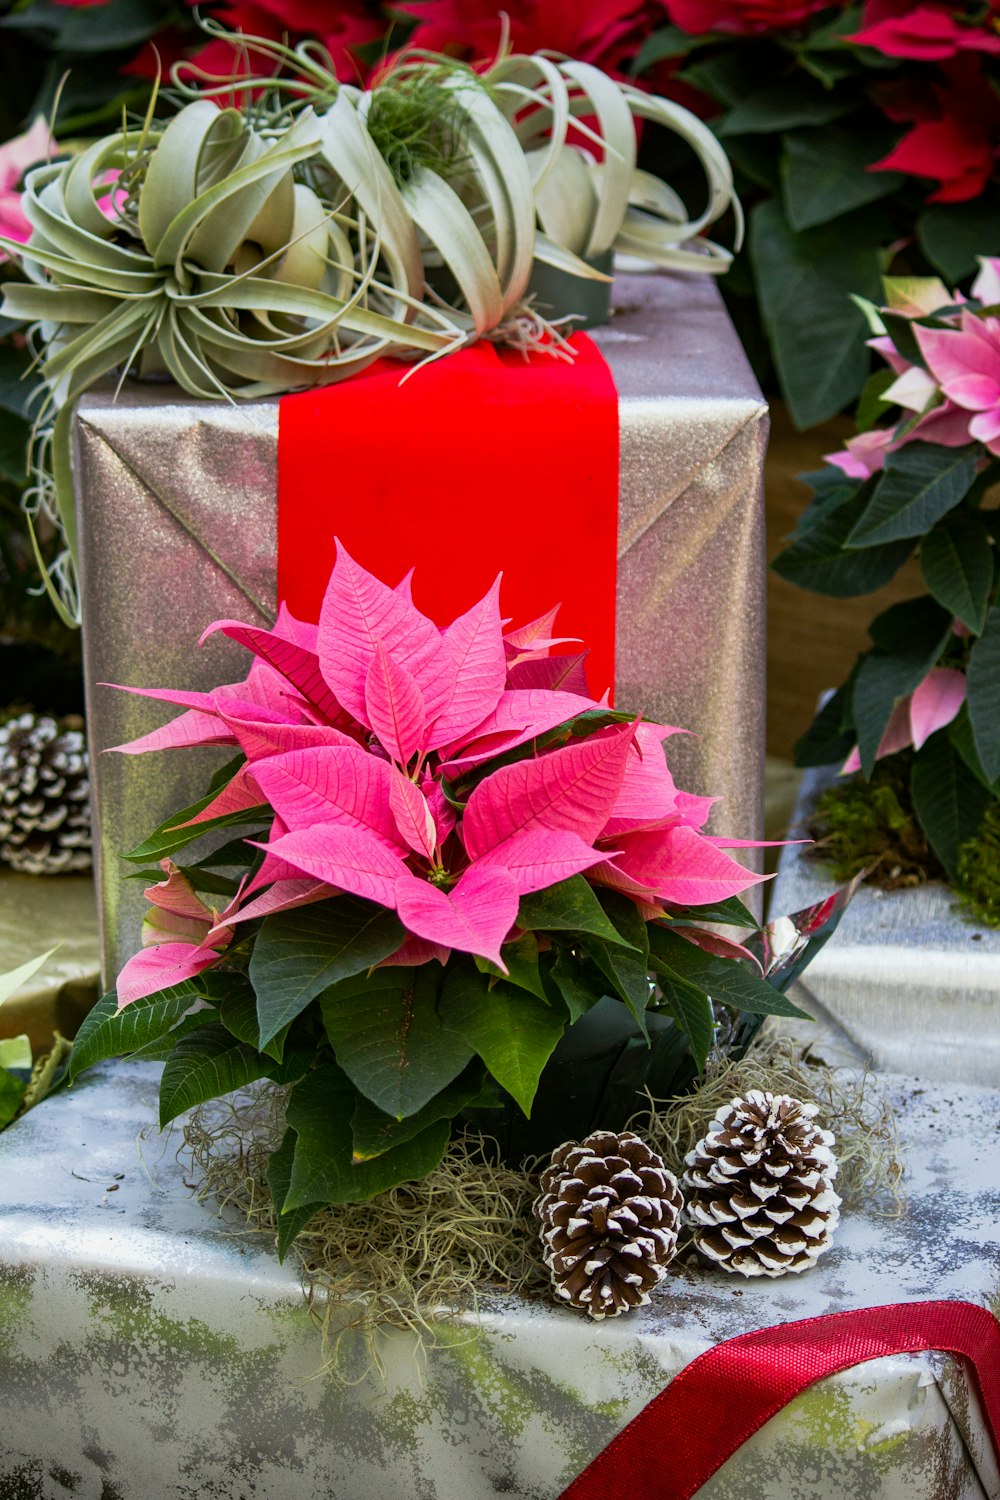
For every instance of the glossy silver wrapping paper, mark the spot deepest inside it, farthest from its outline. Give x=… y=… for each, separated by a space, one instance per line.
x=177 y=504
x=147 y=1353
x=909 y=978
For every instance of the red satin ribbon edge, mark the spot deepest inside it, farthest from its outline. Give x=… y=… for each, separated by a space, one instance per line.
x=706 y=1413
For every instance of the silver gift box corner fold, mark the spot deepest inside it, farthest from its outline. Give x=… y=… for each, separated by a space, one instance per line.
x=177 y=502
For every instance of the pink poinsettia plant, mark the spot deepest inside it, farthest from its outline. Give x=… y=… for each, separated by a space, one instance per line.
x=450 y=854
x=918 y=485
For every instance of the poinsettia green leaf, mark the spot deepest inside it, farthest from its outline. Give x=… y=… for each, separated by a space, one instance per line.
x=389 y=1038
x=11 y=1093
x=521 y=959
x=279 y=1177
x=570 y=906
x=580 y=985
x=160 y=1048
x=956 y=560
x=731 y=913
x=512 y=1031
x=948 y=798
x=829 y=739
x=171 y=835
x=820 y=561
x=374 y=1132
x=783 y=106
x=727 y=982
x=627 y=977
x=952 y=235
x=825 y=173
x=921 y=483
x=983 y=682
x=299 y=953
x=822 y=360
x=238 y=1014
x=962 y=738
x=319 y=1111
x=912 y=636
x=626 y=918
x=666 y=41
x=691 y=1009
x=109 y=1032
x=205 y=1065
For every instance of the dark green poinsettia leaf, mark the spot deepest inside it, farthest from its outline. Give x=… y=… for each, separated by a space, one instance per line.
x=579 y=984
x=171 y=835
x=299 y=953
x=512 y=1031
x=319 y=1111
x=626 y=976
x=521 y=959
x=921 y=483
x=727 y=982
x=110 y=1032
x=570 y=906
x=825 y=173
x=820 y=560
x=626 y=918
x=830 y=737
x=964 y=742
x=691 y=1009
x=390 y=1039
x=160 y=1048
x=374 y=1132
x=948 y=798
x=206 y=1064
x=731 y=913
x=822 y=360
x=667 y=41
x=952 y=235
x=956 y=559
x=279 y=1177
x=784 y=106
x=983 y=685
x=909 y=638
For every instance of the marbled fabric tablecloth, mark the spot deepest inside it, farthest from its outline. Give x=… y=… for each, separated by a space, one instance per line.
x=148 y=1353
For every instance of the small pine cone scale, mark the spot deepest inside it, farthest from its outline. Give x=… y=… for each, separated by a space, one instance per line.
x=760 y=1195
x=610 y=1213
x=44 y=797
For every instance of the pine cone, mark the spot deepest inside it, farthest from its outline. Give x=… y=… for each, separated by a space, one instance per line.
x=44 y=792
x=759 y=1187
x=610 y=1212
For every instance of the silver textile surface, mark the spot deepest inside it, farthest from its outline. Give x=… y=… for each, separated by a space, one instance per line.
x=177 y=511
x=912 y=981
x=147 y=1353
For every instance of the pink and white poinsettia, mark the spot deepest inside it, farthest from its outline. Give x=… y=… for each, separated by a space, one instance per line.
x=933 y=704
x=356 y=734
x=181 y=936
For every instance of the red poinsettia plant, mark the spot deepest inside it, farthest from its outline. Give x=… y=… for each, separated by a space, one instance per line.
x=455 y=853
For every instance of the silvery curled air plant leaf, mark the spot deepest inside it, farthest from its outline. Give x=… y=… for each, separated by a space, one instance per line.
x=247 y=251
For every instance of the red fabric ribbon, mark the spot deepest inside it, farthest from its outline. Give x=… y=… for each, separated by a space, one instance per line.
x=720 y=1399
x=479 y=462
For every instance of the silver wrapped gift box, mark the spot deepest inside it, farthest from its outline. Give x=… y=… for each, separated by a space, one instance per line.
x=177 y=504
x=909 y=978
x=148 y=1353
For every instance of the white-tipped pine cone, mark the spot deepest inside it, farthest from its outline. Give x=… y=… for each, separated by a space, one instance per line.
x=610 y=1212
x=759 y=1187
x=44 y=791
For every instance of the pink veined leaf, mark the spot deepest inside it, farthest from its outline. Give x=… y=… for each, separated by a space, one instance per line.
x=272 y=868
x=282 y=896
x=445 y=816
x=694 y=811
x=413 y=816
x=555 y=674
x=204 y=701
x=295 y=663
x=533 y=641
x=935 y=703
x=573 y=789
x=153 y=969
x=352 y=859
x=519 y=716
x=394 y=707
x=238 y=795
x=176 y=894
x=679 y=865
x=721 y=841
x=414 y=952
x=330 y=784
x=714 y=942
x=474 y=916
x=188 y=729
x=159 y=926
x=898 y=734
x=647 y=796
x=299 y=632
x=404 y=588
x=479 y=670
x=540 y=857
x=358 y=611
x=258 y=738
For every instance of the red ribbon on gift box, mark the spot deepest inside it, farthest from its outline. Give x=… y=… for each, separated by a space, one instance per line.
x=480 y=462
x=720 y=1399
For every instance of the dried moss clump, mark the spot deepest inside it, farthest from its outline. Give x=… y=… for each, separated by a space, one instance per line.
x=871 y=826
x=420 y=1256
x=977 y=881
